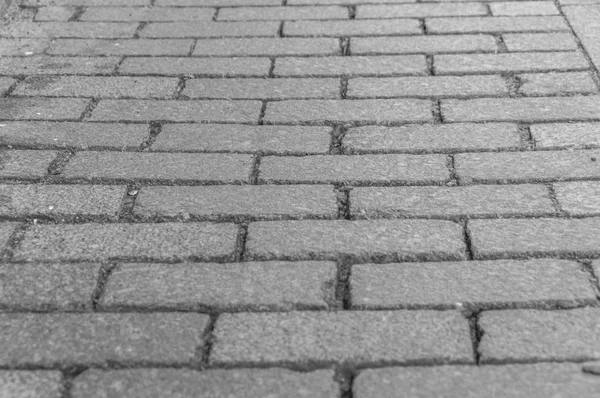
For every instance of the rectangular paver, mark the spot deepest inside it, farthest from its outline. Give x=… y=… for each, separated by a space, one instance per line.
x=32 y=384
x=423 y=44
x=282 y=13
x=419 y=10
x=120 y=47
x=557 y=83
x=262 y=46
x=45 y=65
x=540 y=41
x=210 y=29
x=218 y=67
x=106 y=30
x=54 y=13
x=147 y=14
x=524 y=8
x=352 y=28
x=42 y=108
x=6 y=231
x=496 y=24
x=565 y=135
x=25 y=164
x=579 y=198
x=22 y=47
x=584 y=21
x=262 y=88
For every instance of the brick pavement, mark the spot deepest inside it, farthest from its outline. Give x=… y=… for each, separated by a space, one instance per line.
x=300 y=198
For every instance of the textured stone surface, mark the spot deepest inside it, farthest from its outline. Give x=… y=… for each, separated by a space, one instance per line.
x=42 y=108
x=520 y=335
x=160 y=242
x=97 y=339
x=323 y=337
x=87 y=3
x=44 y=65
x=423 y=44
x=54 y=13
x=120 y=47
x=25 y=164
x=267 y=47
x=147 y=14
x=534 y=237
x=540 y=42
x=158 y=383
x=210 y=29
x=271 y=286
x=104 y=30
x=31 y=384
x=352 y=28
x=566 y=135
x=5 y=84
x=579 y=198
x=480 y=284
x=219 y=67
x=585 y=21
x=262 y=88
x=524 y=8
x=384 y=240
x=21 y=47
x=557 y=83
x=218 y=3
x=419 y=10
x=281 y=13
x=496 y=24
x=6 y=230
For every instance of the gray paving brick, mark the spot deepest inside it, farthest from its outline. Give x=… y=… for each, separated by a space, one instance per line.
x=357 y=169
x=5 y=84
x=515 y=62
x=522 y=109
x=262 y=46
x=86 y=3
x=519 y=335
x=31 y=384
x=99 y=339
x=574 y=2
x=243 y=138
x=421 y=138
x=44 y=65
x=353 y=66
x=54 y=13
x=210 y=29
x=346 y=2
x=178 y=111
x=508 y=381
x=596 y=270
x=419 y=10
x=524 y=8
x=158 y=242
x=534 y=237
x=579 y=198
x=540 y=42
x=124 y=14
x=281 y=13
x=471 y=201
x=21 y=47
x=584 y=21
x=352 y=28
x=217 y=202
x=557 y=83
x=322 y=337
x=96 y=86
x=48 y=287
x=262 y=88
x=566 y=135
x=527 y=166
x=224 y=168
x=474 y=284
x=427 y=86
x=73 y=135
x=6 y=230
x=156 y=383
x=384 y=240
x=423 y=44
x=42 y=108
x=68 y=29
x=25 y=164
x=342 y=111
x=218 y=3
x=120 y=47
x=274 y=286
x=220 y=67
x=496 y=24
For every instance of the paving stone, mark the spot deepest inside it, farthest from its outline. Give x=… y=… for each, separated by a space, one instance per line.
x=421 y=138
x=48 y=287
x=508 y=381
x=210 y=29
x=526 y=335
x=343 y=111
x=557 y=83
x=21 y=47
x=522 y=109
x=515 y=62
x=273 y=286
x=73 y=135
x=217 y=202
x=565 y=135
x=125 y=14
x=279 y=140
x=427 y=86
x=120 y=47
x=534 y=237
x=98 y=87
x=281 y=13
x=352 y=28
x=264 y=46
x=156 y=383
x=218 y=67
x=356 y=169
x=99 y=339
x=384 y=240
x=469 y=201
x=157 y=242
x=473 y=284
x=178 y=111
x=218 y=3
x=426 y=337
x=524 y=8
x=6 y=231
x=585 y=21
x=42 y=108
x=54 y=13
x=224 y=168
x=346 y=2
x=262 y=88
x=69 y=29
x=540 y=42
x=574 y=2
x=25 y=164
x=579 y=198
x=423 y=44
x=44 y=65
x=496 y=24
x=5 y=84
x=596 y=269
x=31 y=384
x=352 y=66
x=419 y=10
x=86 y=3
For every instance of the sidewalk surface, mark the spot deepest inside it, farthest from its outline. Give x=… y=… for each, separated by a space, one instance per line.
x=314 y=198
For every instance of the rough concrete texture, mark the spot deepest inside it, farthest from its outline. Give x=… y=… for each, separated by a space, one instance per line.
x=419 y=10
x=352 y=28
x=423 y=44
x=262 y=88
x=30 y=339
x=274 y=286
x=45 y=65
x=557 y=84
x=496 y=24
x=210 y=29
x=282 y=13
x=525 y=8
x=54 y=13
x=566 y=135
x=539 y=42
x=22 y=47
x=267 y=47
x=42 y=108
x=120 y=47
x=6 y=231
x=579 y=198
x=219 y=67
x=25 y=164
x=31 y=384
x=105 y=30
x=180 y=383
x=472 y=284
x=124 y=14
x=5 y=84
x=426 y=337
x=533 y=335
x=585 y=21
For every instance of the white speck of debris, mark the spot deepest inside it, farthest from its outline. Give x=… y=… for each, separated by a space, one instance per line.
x=35 y=220
x=2 y=125
x=39 y=113
x=132 y=192
x=117 y=44
x=29 y=53
x=458 y=305
x=50 y=207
